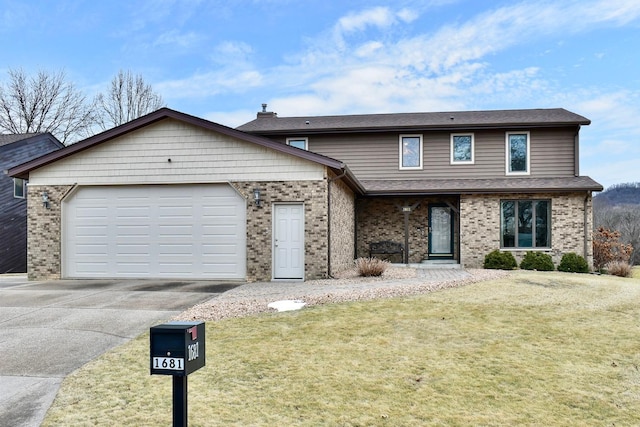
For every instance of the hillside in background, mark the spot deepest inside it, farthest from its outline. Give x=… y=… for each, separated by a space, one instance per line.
x=619 y=194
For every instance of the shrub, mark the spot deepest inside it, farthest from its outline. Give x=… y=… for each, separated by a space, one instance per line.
x=371 y=266
x=573 y=263
x=607 y=248
x=619 y=268
x=537 y=261
x=497 y=260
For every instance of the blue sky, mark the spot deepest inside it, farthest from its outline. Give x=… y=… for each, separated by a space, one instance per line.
x=222 y=59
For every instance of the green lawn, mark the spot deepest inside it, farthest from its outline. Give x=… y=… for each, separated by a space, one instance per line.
x=531 y=349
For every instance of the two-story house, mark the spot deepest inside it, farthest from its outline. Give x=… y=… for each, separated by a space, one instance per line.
x=14 y=150
x=457 y=185
x=170 y=195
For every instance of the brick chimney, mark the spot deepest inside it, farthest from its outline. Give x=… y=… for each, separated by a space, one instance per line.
x=264 y=114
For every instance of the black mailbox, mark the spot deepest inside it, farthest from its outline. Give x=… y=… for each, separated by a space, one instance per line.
x=177 y=348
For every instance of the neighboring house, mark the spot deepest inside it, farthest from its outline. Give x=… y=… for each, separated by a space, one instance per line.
x=452 y=187
x=14 y=150
x=170 y=195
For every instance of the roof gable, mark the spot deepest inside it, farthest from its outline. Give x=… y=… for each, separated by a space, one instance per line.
x=22 y=171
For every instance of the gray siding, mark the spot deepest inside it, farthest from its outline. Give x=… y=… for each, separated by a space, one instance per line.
x=375 y=155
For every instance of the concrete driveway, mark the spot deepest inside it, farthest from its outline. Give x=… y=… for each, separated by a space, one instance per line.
x=49 y=329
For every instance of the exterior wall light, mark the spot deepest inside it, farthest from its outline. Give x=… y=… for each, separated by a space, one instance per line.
x=45 y=200
x=256 y=197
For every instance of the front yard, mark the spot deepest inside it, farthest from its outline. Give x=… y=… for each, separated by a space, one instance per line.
x=530 y=349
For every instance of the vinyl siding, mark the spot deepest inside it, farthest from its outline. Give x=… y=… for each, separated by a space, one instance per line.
x=197 y=156
x=375 y=155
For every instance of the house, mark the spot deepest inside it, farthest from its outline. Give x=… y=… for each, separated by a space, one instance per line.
x=14 y=150
x=453 y=186
x=171 y=195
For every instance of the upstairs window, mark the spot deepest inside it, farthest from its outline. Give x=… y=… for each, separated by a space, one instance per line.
x=19 y=188
x=517 y=150
x=302 y=143
x=525 y=224
x=410 y=152
x=462 y=148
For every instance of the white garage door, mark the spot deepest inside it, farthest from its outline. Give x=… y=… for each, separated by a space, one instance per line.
x=155 y=231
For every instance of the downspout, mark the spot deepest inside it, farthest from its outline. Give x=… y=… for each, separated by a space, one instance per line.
x=329 y=181
x=586 y=223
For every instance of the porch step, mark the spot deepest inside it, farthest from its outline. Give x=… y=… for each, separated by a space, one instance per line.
x=439 y=263
x=433 y=264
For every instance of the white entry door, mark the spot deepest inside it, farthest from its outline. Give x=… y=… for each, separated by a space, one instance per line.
x=288 y=241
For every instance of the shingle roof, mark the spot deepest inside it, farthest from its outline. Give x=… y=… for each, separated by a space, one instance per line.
x=479 y=186
x=10 y=139
x=269 y=123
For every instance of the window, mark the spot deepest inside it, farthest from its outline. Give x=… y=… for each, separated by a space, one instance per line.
x=301 y=143
x=462 y=149
x=525 y=224
x=410 y=152
x=517 y=153
x=19 y=188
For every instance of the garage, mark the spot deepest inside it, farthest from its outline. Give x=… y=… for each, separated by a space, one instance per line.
x=154 y=231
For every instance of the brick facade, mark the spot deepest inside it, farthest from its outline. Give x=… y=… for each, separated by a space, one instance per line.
x=260 y=225
x=480 y=224
x=45 y=233
x=381 y=219
x=342 y=227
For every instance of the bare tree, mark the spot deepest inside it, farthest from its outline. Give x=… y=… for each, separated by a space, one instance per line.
x=128 y=98
x=45 y=102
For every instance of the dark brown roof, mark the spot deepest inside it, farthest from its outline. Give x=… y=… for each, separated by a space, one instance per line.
x=479 y=186
x=22 y=171
x=269 y=123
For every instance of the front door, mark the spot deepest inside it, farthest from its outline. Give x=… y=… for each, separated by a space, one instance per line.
x=440 y=232
x=288 y=241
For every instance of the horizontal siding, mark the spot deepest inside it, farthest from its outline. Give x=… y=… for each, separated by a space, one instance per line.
x=197 y=155
x=375 y=156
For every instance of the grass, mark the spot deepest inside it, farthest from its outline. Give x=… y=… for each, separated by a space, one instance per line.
x=535 y=348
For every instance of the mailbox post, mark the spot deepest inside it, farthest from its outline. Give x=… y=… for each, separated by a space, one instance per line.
x=177 y=349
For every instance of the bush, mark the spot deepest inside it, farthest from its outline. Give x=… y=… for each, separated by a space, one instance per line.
x=497 y=260
x=371 y=266
x=537 y=261
x=619 y=268
x=573 y=263
x=607 y=248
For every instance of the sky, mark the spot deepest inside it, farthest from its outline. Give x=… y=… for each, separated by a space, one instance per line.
x=220 y=60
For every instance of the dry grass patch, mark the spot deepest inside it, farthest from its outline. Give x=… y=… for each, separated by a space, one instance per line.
x=532 y=349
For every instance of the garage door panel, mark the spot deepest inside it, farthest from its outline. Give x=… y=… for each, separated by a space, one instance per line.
x=168 y=231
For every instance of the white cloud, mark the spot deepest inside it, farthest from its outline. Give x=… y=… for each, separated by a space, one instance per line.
x=380 y=17
x=230 y=118
x=374 y=68
x=210 y=84
x=177 y=39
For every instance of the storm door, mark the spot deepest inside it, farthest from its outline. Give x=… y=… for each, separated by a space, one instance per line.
x=440 y=232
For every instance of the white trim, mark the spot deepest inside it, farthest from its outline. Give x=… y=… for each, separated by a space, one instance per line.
x=305 y=139
x=507 y=152
x=473 y=149
x=400 y=140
